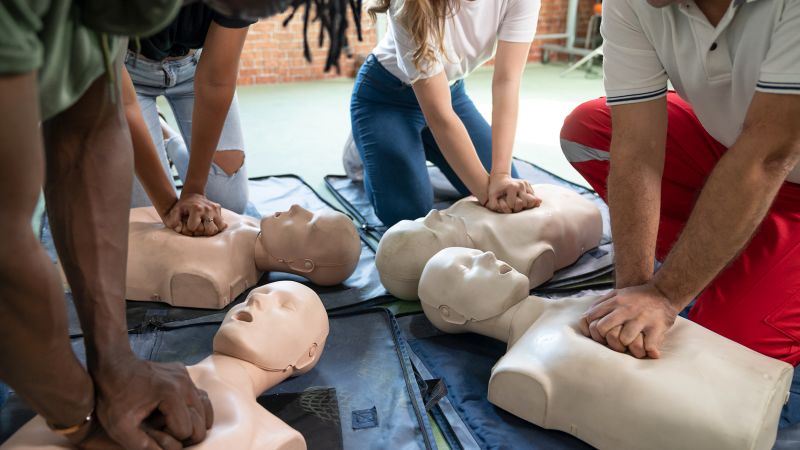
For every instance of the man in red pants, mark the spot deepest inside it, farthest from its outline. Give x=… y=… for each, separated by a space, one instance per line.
x=704 y=180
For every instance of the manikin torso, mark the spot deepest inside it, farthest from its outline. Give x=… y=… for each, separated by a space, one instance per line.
x=535 y=242
x=199 y=272
x=234 y=381
x=706 y=392
x=210 y=272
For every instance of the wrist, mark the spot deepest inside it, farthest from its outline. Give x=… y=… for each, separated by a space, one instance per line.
x=675 y=298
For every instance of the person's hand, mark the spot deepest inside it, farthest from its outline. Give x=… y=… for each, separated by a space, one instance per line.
x=195 y=215
x=634 y=319
x=144 y=405
x=508 y=195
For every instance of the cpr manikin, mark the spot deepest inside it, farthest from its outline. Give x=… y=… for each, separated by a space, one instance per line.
x=705 y=392
x=277 y=333
x=536 y=242
x=210 y=272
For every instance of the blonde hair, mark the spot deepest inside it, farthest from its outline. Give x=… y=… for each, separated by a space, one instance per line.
x=425 y=21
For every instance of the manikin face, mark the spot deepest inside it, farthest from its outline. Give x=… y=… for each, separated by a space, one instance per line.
x=408 y=245
x=473 y=284
x=275 y=327
x=291 y=233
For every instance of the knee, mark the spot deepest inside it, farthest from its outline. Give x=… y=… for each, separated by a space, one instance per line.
x=230 y=161
x=230 y=191
x=589 y=124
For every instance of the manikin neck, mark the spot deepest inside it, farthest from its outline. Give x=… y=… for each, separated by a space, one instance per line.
x=510 y=325
x=264 y=262
x=242 y=374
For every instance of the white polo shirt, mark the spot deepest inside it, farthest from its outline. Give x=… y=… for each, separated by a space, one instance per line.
x=470 y=38
x=755 y=47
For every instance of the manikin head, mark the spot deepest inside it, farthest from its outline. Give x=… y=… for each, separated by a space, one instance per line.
x=322 y=246
x=408 y=245
x=461 y=285
x=281 y=326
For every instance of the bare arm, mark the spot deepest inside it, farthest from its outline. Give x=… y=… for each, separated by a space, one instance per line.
x=638 y=140
x=735 y=198
x=509 y=64
x=433 y=95
x=733 y=202
x=214 y=85
x=146 y=162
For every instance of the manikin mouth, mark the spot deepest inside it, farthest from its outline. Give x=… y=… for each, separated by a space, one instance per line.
x=277 y=214
x=504 y=269
x=243 y=316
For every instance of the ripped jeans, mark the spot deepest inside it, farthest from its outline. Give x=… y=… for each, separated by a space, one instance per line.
x=174 y=79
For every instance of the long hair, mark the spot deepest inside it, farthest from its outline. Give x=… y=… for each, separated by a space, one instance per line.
x=425 y=21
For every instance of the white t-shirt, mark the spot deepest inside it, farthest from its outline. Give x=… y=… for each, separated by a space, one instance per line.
x=755 y=47
x=470 y=37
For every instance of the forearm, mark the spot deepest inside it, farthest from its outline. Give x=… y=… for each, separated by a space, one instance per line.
x=732 y=204
x=634 y=196
x=146 y=161
x=212 y=102
x=505 y=111
x=89 y=172
x=453 y=140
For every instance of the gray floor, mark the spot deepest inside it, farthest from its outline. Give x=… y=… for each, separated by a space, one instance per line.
x=301 y=127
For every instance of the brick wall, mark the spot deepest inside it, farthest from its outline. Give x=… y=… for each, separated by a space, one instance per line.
x=274 y=54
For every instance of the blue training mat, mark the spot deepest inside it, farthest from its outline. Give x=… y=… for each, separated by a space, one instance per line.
x=463 y=363
x=592 y=265
x=378 y=403
x=267 y=195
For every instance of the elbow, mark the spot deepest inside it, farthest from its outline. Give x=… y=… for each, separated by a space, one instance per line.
x=782 y=145
x=440 y=118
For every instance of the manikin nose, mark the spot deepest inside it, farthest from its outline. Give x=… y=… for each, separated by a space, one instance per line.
x=486 y=258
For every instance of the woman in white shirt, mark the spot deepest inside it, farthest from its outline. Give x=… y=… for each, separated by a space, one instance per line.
x=409 y=104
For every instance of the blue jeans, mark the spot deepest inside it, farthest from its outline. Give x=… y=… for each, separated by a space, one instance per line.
x=394 y=142
x=791 y=411
x=174 y=79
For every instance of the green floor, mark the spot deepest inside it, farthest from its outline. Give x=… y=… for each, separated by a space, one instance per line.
x=301 y=127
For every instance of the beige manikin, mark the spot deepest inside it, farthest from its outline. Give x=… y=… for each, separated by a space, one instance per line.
x=278 y=332
x=705 y=393
x=210 y=272
x=536 y=242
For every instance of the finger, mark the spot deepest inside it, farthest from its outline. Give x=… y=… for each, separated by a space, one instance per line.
x=162 y=439
x=595 y=335
x=652 y=342
x=637 y=347
x=612 y=337
x=173 y=219
x=195 y=218
x=220 y=222
x=584 y=326
x=631 y=329
x=201 y=407
x=211 y=228
x=198 y=427
x=178 y=418
x=492 y=204
x=610 y=321
x=179 y=227
x=208 y=410
x=601 y=310
x=519 y=204
x=609 y=295
x=130 y=436
x=504 y=208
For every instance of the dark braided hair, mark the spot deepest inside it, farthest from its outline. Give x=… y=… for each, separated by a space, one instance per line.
x=331 y=15
x=332 y=18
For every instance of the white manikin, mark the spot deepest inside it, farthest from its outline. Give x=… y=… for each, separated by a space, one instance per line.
x=210 y=272
x=705 y=392
x=536 y=242
x=278 y=332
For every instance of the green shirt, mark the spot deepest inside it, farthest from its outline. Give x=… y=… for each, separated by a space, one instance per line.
x=63 y=41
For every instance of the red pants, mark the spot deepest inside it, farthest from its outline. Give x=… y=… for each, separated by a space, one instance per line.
x=756 y=300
